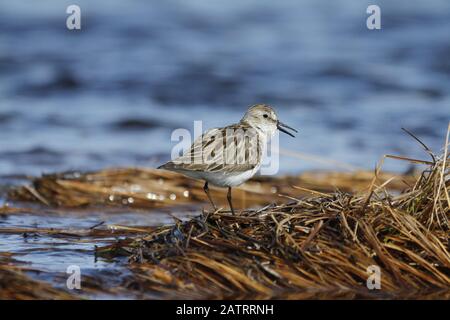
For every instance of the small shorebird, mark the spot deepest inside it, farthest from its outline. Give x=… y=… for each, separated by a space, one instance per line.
x=229 y=156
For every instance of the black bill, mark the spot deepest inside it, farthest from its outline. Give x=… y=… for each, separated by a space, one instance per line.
x=282 y=127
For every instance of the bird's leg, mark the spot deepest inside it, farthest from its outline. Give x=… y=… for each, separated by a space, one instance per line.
x=229 y=200
x=205 y=187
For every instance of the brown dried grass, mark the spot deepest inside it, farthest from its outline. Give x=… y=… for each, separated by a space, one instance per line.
x=314 y=247
x=318 y=245
x=152 y=188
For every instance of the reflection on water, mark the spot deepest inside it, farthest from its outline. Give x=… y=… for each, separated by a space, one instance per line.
x=52 y=254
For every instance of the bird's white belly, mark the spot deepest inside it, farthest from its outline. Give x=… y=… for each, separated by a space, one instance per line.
x=223 y=179
x=229 y=180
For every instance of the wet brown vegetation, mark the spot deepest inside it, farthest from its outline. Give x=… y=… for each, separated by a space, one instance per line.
x=152 y=188
x=15 y=284
x=314 y=247
x=314 y=236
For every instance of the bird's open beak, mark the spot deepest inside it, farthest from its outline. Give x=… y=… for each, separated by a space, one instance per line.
x=281 y=126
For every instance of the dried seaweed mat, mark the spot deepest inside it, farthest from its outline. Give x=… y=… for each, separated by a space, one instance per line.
x=316 y=247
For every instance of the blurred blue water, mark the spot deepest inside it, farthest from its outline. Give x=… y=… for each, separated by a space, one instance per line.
x=111 y=93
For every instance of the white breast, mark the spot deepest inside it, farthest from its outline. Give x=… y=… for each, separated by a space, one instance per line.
x=222 y=179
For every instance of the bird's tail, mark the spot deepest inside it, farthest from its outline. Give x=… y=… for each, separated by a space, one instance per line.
x=167 y=166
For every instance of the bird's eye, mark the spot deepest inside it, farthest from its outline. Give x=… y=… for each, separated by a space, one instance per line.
x=265 y=115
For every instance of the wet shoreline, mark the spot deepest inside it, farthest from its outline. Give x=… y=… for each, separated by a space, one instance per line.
x=45 y=238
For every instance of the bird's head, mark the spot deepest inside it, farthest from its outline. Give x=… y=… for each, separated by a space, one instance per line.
x=264 y=118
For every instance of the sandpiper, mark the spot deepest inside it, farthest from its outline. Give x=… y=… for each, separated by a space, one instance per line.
x=229 y=156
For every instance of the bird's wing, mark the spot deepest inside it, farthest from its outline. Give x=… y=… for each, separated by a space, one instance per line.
x=231 y=149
